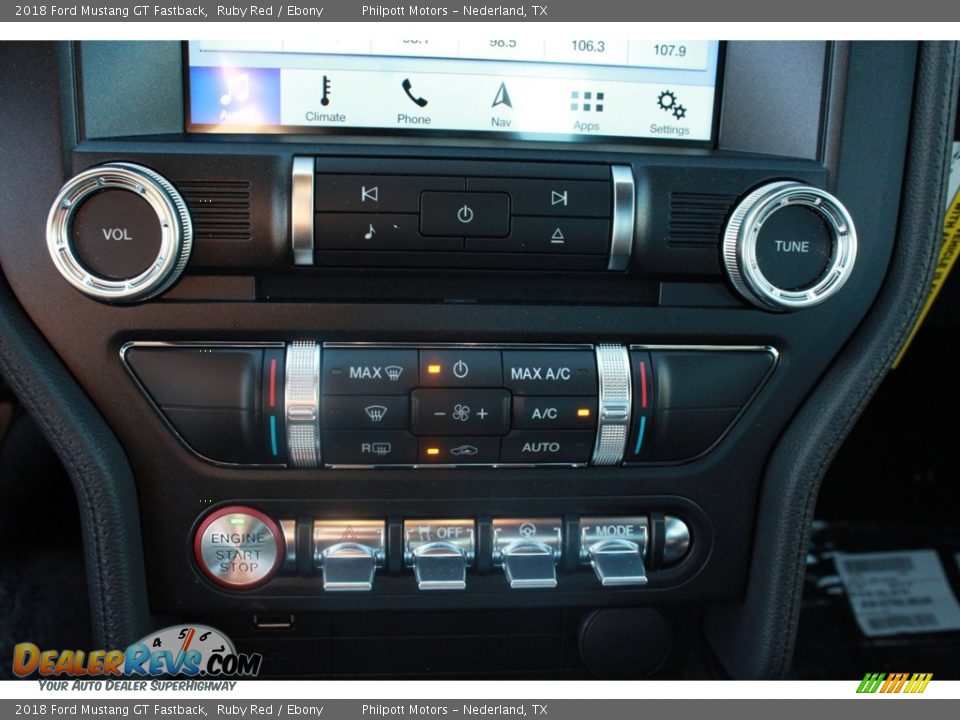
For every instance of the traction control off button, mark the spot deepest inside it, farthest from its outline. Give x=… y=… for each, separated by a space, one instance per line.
x=238 y=547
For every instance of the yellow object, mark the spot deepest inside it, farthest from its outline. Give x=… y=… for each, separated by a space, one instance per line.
x=433 y=451
x=433 y=369
x=583 y=412
x=949 y=250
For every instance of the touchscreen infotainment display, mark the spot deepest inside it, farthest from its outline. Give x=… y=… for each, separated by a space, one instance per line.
x=564 y=87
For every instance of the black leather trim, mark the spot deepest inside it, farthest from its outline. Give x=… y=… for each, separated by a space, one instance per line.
x=85 y=444
x=98 y=469
x=755 y=639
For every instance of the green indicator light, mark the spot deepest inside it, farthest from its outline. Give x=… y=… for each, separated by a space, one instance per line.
x=237 y=521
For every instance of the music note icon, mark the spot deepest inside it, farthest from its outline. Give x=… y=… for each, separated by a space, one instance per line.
x=238 y=87
x=370 y=233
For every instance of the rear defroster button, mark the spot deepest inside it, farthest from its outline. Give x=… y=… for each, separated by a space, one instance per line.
x=238 y=547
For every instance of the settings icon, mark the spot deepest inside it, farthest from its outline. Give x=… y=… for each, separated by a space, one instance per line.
x=668 y=102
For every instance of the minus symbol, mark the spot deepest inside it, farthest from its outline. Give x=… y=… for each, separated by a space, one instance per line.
x=440 y=414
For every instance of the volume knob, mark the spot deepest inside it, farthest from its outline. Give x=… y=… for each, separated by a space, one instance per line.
x=789 y=246
x=119 y=233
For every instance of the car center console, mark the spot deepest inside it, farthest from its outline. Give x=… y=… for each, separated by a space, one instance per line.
x=529 y=345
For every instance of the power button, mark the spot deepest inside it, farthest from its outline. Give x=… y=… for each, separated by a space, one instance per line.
x=465 y=214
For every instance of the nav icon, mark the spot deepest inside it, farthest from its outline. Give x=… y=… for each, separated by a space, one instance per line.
x=371 y=194
x=558 y=198
x=503 y=97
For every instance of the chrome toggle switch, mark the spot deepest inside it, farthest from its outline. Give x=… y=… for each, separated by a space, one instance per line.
x=676 y=539
x=615 y=548
x=289 y=530
x=528 y=550
x=439 y=551
x=349 y=552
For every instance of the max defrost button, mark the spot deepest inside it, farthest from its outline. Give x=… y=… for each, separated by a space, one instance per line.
x=369 y=372
x=239 y=547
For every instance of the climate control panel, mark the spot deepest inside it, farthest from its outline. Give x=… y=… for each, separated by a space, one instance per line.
x=352 y=405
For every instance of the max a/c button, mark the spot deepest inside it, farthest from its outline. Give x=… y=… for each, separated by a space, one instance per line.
x=550 y=372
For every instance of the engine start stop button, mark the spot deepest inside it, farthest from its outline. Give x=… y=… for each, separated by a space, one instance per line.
x=238 y=547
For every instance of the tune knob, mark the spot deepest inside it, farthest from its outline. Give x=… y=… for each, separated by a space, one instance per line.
x=119 y=233
x=789 y=246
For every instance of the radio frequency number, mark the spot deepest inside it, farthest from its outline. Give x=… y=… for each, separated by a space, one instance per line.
x=663 y=50
x=589 y=46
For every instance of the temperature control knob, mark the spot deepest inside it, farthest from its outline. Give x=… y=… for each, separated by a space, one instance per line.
x=789 y=246
x=119 y=233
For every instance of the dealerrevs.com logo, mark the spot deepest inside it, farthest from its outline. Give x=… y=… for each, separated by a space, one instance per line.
x=179 y=650
x=890 y=683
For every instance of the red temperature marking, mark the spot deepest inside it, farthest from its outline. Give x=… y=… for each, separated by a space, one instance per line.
x=643 y=384
x=273 y=382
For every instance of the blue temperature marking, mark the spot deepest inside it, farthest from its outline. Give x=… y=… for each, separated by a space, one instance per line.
x=643 y=423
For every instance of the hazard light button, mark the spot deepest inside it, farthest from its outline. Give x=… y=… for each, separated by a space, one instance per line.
x=349 y=552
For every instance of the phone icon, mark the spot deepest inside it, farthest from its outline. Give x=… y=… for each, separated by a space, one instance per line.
x=408 y=89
